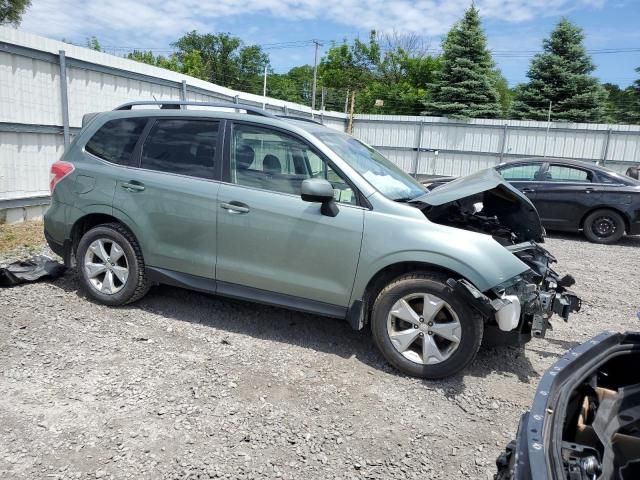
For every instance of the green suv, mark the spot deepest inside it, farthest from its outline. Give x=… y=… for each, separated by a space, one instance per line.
x=231 y=200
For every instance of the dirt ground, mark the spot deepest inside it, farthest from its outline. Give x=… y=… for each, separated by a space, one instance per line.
x=188 y=386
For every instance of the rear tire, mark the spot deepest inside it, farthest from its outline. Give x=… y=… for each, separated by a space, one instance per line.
x=604 y=226
x=423 y=329
x=110 y=265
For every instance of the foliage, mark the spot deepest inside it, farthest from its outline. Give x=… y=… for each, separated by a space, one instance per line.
x=11 y=11
x=224 y=59
x=94 y=44
x=466 y=84
x=561 y=75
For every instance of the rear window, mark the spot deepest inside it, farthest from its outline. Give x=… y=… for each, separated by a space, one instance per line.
x=116 y=139
x=185 y=147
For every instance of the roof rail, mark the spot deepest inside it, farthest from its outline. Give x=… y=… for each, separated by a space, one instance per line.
x=176 y=104
x=302 y=119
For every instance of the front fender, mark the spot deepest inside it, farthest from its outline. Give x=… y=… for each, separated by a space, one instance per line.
x=474 y=256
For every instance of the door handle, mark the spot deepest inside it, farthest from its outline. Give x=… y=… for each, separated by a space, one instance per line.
x=133 y=186
x=235 y=207
x=528 y=190
x=588 y=190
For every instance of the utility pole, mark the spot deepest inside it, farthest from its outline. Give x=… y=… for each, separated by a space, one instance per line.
x=346 y=102
x=353 y=103
x=322 y=101
x=546 y=136
x=315 y=77
x=264 y=88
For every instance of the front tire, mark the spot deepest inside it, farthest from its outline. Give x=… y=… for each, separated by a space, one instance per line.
x=604 y=226
x=110 y=265
x=423 y=329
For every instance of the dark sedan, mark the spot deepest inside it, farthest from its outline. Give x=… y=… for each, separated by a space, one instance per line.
x=571 y=195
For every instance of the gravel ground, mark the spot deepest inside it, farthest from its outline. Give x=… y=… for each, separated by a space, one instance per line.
x=186 y=386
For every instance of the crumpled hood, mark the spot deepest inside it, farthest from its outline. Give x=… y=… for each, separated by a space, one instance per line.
x=498 y=197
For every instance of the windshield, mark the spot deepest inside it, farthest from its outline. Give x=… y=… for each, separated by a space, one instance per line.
x=383 y=175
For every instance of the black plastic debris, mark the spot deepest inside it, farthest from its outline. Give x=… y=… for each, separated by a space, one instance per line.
x=30 y=270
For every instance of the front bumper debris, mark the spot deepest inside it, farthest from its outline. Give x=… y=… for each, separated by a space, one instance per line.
x=525 y=303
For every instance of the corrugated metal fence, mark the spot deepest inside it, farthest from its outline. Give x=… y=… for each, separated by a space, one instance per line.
x=440 y=146
x=38 y=112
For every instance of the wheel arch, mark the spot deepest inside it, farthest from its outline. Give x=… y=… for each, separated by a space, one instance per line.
x=86 y=222
x=625 y=217
x=386 y=274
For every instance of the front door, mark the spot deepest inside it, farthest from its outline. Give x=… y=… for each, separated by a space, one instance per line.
x=272 y=242
x=170 y=196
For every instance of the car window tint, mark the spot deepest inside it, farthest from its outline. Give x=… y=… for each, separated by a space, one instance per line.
x=116 y=140
x=186 y=147
x=521 y=172
x=561 y=173
x=268 y=159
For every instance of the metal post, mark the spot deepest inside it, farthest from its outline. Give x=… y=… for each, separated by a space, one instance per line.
x=546 y=136
x=353 y=104
x=183 y=92
x=504 y=141
x=606 y=147
x=236 y=99
x=64 y=99
x=315 y=77
x=418 y=146
x=264 y=88
x=322 y=101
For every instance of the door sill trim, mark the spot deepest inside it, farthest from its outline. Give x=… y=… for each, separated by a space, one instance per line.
x=241 y=292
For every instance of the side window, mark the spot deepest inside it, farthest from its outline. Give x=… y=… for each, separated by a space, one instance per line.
x=271 y=160
x=186 y=147
x=116 y=139
x=520 y=172
x=560 y=173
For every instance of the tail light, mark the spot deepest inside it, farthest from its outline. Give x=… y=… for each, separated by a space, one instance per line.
x=59 y=170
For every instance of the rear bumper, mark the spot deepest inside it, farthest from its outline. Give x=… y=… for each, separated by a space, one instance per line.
x=59 y=248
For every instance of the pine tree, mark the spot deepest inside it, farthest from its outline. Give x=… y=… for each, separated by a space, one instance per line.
x=465 y=86
x=561 y=76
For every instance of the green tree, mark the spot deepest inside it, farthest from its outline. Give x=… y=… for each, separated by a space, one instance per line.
x=11 y=11
x=350 y=66
x=631 y=102
x=465 y=86
x=561 y=77
x=94 y=44
x=170 y=63
x=225 y=59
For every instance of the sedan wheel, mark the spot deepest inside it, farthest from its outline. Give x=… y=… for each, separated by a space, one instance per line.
x=604 y=226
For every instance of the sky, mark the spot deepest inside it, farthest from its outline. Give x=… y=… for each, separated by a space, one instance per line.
x=285 y=28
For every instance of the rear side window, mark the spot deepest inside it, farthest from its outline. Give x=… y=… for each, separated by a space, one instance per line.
x=185 y=147
x=116 y=140
x=560 y=173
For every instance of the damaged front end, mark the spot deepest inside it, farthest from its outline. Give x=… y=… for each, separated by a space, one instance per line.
x=520 y=307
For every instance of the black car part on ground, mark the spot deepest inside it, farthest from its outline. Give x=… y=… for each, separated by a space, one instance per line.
x=584 y=423
x=30 y=270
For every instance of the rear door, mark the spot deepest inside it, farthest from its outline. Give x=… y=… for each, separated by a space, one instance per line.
x=565 y=194
x=170 y=196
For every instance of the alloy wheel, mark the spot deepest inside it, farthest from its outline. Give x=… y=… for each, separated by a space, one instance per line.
x=106 y=266
x=424 y=328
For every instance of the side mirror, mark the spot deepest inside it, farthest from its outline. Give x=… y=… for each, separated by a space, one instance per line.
x=319 y=190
